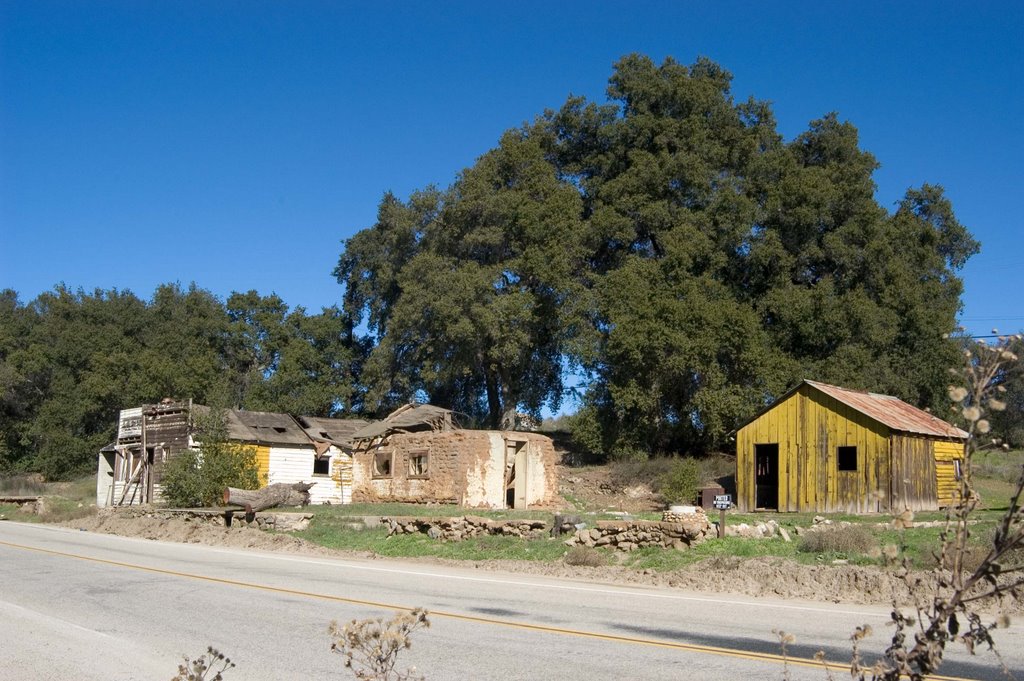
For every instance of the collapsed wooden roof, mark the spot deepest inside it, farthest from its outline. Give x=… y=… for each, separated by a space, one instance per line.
x=272 y=428
x=408 y=418
x=335 y=431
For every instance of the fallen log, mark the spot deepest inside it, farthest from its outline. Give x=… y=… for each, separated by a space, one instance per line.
x=278 y=494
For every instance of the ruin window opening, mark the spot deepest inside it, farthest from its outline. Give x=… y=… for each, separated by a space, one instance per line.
x=322 y=465
x=280 y=429
x=382 y=465
x=846 y=458
x=419 y=463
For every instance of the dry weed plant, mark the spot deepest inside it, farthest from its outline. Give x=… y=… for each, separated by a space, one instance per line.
x=586 y=556
x=951 y=610
x=199 y=668
x=370 y=647
x=784 y=640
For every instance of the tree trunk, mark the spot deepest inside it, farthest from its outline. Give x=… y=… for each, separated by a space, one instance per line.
x=278 y=494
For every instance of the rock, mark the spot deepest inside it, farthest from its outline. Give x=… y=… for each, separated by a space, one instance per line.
x=434 y=532
x=784 y=534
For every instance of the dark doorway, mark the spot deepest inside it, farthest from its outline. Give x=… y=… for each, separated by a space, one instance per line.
x=766 y=476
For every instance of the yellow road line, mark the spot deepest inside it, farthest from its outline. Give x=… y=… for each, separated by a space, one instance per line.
x=688 y=647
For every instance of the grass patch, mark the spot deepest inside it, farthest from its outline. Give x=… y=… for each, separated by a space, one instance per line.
x=995 y=464
x=421 y=511
x=666 y=560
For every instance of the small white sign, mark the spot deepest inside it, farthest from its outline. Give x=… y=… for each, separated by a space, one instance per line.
x=723 y=501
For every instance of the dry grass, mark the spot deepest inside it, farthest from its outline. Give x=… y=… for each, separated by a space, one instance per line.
x=23 y=485
x=586 y=556
x=845 y=539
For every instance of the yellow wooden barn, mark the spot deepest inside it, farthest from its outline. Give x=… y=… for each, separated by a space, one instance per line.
x=824 y=448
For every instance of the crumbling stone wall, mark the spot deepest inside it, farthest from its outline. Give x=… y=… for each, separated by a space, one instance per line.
x=466 y=527
x=466 y=467
x=623 y=535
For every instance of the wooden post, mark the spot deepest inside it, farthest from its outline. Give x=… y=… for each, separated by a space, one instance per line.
x=721 y=523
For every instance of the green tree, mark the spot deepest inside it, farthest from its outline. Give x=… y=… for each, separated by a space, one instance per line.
x=727 y=264
x=198 y=477
x=471 y=294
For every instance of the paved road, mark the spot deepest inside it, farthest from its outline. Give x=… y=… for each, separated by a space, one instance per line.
x=77 y=605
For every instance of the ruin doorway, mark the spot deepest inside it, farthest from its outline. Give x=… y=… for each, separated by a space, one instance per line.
x=516 y=464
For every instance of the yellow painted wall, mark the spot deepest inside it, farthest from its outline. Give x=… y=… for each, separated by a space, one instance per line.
x=809 y=426
x=946 y=452
x=263 y=460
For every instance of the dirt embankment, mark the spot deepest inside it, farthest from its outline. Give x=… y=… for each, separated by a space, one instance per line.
x=773 y=577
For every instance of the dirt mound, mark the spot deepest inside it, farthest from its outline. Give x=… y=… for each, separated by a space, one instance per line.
x=594 y=487
x=188 y=531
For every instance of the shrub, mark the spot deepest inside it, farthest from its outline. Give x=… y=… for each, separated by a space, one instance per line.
x=846 y=539
x=586 y=556
x=198 y=477
x=680 y=483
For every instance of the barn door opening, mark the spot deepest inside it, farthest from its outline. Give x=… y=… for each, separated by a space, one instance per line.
x=515 y=474
x=766 y=476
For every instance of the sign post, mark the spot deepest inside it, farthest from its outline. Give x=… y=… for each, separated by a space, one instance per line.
x=723 y=502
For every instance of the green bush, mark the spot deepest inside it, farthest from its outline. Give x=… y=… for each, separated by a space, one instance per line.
x=679 y=484
x=198 y=477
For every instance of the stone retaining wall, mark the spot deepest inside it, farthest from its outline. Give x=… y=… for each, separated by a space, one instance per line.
x=465 y=527
x=635 y=534
x=282 y=522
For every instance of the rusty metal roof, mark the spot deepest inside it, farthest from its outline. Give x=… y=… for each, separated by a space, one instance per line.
x=891 y=411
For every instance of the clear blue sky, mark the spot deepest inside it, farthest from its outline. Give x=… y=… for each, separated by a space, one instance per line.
x=236 y=144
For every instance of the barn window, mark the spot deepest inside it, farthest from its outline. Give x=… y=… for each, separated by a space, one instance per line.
x=382 y=465
x=322 y=465
x=418 y=464
x=846 y=458
x=958 y=472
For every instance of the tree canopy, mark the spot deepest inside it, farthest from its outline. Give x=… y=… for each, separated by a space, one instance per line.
x=673 y=250
x=70 y=360
x=665 y=252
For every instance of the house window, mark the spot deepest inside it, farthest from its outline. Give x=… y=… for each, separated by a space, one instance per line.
x=322 y=465
x=382 y=465
x=418 y=462
x=958 y=471
x=846 y=458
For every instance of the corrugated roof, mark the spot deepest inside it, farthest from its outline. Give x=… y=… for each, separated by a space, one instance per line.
x=891 y=411
x=335 y=430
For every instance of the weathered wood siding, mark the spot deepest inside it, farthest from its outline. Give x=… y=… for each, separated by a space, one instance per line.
x=947 y=454
x=809 y=427
x=913 y=473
